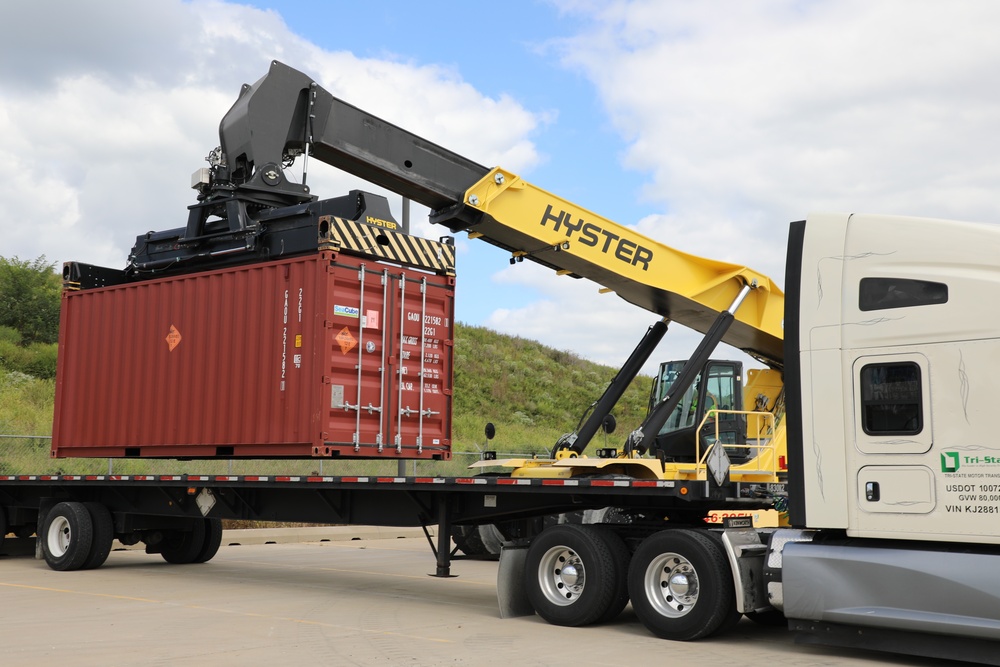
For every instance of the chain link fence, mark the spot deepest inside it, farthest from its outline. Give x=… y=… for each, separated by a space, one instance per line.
x=29 y=455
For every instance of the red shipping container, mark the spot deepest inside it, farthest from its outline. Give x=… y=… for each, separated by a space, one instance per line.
x=319 y=355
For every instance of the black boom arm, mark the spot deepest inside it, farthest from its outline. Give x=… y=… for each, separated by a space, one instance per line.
x=286 y=114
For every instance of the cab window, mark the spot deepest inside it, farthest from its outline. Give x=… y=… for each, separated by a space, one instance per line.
x=885 y=293
x=891 y=399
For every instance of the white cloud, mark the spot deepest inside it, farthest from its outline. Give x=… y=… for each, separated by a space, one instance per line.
x=749 y=115
x=101 y=134
x=433 y=103
x=572 y=315
x=743 y=116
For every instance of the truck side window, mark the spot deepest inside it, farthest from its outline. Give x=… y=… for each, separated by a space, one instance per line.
x=885 y=293
x=891 y=399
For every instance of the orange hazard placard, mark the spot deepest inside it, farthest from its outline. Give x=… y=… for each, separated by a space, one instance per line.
x=173 y=338
x=346 y=341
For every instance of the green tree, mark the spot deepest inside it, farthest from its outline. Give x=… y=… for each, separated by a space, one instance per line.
x=29 y=299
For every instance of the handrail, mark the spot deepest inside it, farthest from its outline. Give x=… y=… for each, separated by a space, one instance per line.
x=769 y=422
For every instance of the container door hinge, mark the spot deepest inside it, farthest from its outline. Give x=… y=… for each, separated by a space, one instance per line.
x=408 y=411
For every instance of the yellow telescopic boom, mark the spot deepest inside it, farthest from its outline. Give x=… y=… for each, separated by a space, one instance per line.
x=684 y=288
x=286 y=114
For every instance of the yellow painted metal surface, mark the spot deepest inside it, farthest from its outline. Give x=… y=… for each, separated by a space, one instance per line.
x=532 y=223
x=766 y=466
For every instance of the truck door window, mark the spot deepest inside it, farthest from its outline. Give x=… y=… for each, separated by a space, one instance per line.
x=891 y=399
x=885 y=293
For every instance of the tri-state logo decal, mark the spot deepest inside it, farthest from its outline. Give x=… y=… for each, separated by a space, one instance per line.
x=950 y=461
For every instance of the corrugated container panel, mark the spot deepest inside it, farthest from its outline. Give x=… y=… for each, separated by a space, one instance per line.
x=324 y=355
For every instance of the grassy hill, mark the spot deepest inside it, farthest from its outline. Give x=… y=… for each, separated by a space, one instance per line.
x=532 y=393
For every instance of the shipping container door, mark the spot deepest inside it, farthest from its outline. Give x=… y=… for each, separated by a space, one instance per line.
x=358 y=365
x=421 y=403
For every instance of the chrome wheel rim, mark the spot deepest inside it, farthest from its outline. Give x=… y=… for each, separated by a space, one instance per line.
x=561 y=576
x=672 y=585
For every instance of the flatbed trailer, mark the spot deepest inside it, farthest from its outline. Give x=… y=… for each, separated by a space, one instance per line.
x=154 y=508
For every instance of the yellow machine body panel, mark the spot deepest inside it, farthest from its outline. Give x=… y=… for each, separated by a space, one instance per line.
x=684 y=288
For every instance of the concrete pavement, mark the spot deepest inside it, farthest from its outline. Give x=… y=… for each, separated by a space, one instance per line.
x=346 y=601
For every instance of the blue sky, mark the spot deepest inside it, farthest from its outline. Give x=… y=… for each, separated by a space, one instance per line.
x=510 y=50
x=706 y=125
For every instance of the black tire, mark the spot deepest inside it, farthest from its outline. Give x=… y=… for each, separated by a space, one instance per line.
x=620 y=556
x=681 y=586
x=104 y=535
x=467 y=540
x=213 y=540
x=729 y=622
x=572 y=577
x=734 y=616
x=482 y=541
x=181 y=547
x=66 y=536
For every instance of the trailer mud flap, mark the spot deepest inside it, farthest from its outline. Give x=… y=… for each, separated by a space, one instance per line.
x=511 y=595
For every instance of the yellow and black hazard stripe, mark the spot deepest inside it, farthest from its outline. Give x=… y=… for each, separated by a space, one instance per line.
x=357 y=238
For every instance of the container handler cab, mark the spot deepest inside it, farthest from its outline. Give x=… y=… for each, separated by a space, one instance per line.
x=871 y=424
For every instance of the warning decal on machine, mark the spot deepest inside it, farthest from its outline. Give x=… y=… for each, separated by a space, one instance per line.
x=346 y=341
x=173 y=338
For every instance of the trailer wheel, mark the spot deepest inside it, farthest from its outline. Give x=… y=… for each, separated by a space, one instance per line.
x=482 y=541
x=620 y=557
x=104 y=535
x=734 y=616
x=681 y=586
x=66 y=536
x=213 y=540
x=180 y=547
x=571 y=577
